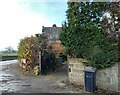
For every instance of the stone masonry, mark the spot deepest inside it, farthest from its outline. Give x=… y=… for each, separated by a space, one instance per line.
x=105 y=78
x=76 y=74
x=108 y=78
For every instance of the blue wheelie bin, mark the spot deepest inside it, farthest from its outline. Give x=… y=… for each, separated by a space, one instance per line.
x=90 y=79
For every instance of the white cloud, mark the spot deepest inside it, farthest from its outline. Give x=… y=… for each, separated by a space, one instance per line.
x=16 y=23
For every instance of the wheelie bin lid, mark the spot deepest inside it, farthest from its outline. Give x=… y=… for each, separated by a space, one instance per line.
x=90 y=69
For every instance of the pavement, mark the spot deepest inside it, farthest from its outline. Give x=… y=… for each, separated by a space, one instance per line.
x=12 y=79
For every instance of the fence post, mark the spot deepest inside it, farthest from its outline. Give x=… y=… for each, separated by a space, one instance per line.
x=40 y=61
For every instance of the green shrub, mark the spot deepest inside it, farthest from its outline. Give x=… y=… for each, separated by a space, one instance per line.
x=28 y=49
x=83 y=36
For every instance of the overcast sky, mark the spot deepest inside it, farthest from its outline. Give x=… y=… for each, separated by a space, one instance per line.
x=20 y=18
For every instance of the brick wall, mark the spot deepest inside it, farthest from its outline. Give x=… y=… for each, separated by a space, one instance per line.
x=105 y=78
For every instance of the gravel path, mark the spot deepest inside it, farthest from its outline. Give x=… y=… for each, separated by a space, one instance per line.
x=13 y=79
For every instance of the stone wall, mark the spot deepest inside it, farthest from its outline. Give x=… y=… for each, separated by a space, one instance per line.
x=105 y=78
x=108 y=78
x=76 y=73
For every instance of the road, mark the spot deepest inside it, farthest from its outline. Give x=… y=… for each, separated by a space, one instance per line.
x=8 y=62
x=12 y=79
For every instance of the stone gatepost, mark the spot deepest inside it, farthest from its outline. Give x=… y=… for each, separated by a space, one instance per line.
x=75 y=73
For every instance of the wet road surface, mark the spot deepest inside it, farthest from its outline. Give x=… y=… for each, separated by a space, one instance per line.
x=13 y=80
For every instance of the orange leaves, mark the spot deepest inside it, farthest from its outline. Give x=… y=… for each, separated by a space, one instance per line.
x=57 y=46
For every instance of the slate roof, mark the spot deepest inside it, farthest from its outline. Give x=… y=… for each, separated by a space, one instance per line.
x=52 y=32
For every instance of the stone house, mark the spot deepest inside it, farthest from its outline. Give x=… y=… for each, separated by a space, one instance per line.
x=52 y=33
x=52 y=36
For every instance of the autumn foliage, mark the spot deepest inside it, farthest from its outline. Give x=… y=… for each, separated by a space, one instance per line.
x=57 y=46
x=28 y=49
